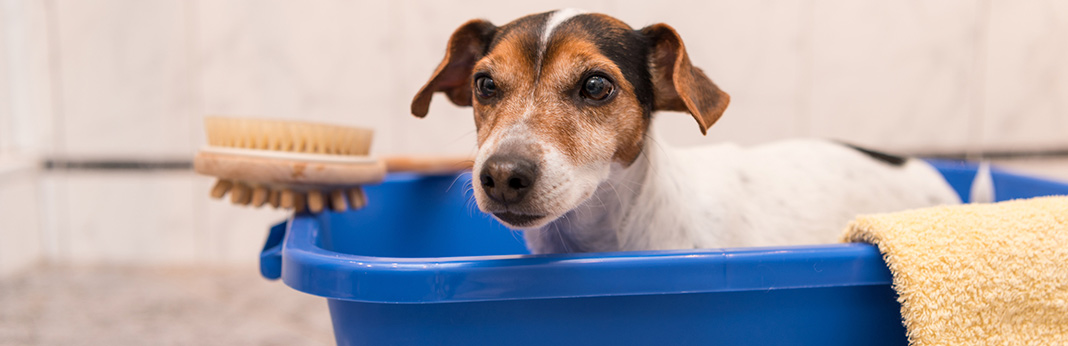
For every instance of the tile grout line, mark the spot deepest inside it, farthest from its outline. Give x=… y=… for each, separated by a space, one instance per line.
x=197 y=96
x=8 y=27
x=56 y=231
x=805 y=80
x=977 y=125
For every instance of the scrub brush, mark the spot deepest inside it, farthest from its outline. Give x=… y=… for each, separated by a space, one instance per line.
x=288 y=164
x=298 y=165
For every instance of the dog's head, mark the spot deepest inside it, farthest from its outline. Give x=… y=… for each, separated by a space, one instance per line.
x=559 y=98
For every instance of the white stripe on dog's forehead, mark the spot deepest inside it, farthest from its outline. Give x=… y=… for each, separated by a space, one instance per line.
x=557 y=18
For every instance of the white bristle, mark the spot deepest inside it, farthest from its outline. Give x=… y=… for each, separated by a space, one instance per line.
x=287 y=136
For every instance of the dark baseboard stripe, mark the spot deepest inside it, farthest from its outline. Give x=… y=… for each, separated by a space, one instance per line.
x=1000 y=155
x=117 y=165
x=183 y=165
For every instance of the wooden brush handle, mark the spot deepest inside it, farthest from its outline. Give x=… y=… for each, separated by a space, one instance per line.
x=429 y=164
x=288 y=172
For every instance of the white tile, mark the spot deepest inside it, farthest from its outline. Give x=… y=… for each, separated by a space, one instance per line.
x=161 y=218
x=20 y=233
x=329 y=61
x=1056 y=169
x=426 y=27
x=25 y=79
x=130 y=218
x=896 y=75
x=237 y=234
x=1026 y=98
x=53 y=209
x=126 y=77
x=233 y=234
x=751 y=50
x=6 y=130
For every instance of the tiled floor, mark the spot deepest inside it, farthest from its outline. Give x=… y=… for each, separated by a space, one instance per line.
x=193 y=305
x=157 y=306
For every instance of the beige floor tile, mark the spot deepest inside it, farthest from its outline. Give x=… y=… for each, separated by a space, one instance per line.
x=154 y=306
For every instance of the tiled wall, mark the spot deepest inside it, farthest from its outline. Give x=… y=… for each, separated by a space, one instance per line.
x=20 y=215
x=130 y=79
x=20 y=237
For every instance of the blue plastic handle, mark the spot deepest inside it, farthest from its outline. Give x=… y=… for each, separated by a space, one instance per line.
x=271 y=255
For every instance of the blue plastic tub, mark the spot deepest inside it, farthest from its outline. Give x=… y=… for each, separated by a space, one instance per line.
x=422 y=266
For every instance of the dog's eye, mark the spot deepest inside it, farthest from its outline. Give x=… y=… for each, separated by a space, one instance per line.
x=597 y=88
x=486 y=87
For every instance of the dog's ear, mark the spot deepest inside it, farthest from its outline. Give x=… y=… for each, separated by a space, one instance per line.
x=677 y=84
x=453 y=76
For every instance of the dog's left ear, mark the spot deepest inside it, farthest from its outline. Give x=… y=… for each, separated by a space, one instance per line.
x=677 y=84
x=453 y=75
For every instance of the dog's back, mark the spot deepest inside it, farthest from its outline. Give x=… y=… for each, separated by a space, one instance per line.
x=796 y=191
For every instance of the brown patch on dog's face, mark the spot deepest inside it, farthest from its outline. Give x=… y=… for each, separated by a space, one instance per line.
x=512 y=73
x=590 y=130
x=545 y=95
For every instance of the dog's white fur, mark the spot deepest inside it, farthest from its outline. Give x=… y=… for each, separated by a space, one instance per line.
x=557 y=18
x=783 y=193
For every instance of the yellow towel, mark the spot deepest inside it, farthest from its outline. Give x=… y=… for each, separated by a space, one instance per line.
x=977 y=274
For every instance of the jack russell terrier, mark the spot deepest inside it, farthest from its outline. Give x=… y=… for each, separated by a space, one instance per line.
x=563 y=102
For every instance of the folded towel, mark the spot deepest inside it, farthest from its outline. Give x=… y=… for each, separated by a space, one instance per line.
x=977 y=274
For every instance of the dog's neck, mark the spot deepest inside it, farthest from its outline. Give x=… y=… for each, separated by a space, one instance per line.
x=636 y=207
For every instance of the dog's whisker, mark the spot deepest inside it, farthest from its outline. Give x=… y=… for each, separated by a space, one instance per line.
x=516 y=236
x=460 y=137
x=616 y=191
x=471 y=204
x=454 y=180
x=560 y=234
x=599 y=200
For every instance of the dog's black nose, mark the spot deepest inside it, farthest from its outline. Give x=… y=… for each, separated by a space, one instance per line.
x=507 y=178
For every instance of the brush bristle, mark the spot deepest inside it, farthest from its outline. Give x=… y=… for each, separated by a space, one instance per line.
x=251 y=194
x=292 y=136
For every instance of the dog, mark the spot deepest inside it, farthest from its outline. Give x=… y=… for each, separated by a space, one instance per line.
x=563 y=104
